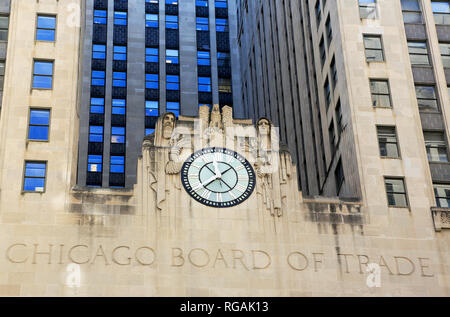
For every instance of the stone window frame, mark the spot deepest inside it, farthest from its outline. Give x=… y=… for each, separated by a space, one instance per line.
x=24 y=176
x=367 y=49
x=405 y=191
x=373 y=94
x=397 y=144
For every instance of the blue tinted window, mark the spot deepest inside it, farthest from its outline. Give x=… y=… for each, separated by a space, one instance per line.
x=151 y=20
x=171 y=56
x=43 y=74
x=100 y=16
x=221 y=3
x=203 y=58
x=98 y=51
x=222 y=25
x=149 y=131
x=119 y=79
x=201 y=3
x=95 y=133
x=173 y=82
x=173 y=107
x=120 y=53
x=204 y=84
x=202 y=24
x=98 y=78
x=118 y=106
x=46 y=26
x=39 y=125
x=171 y=22
x=120 y=18
x=151 y=81
x=151 y=108
x=97 y=105
x=151 y=55
x=117 y=135
x=117 y=164
x=95 y=163
x=34 y=176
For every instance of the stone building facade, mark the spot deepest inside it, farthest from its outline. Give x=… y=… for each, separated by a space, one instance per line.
x=166 y=236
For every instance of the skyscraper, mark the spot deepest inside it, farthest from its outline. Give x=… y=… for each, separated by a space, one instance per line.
x=142 y=59
x=360 y=92
x=4 y=25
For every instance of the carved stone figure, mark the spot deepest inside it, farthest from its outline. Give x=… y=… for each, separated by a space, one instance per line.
x=268 y=168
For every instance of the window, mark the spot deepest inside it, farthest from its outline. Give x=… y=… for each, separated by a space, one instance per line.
x=97 y=105
x=43 y=75
x=118 y=135
x=4 y=23
x=203 y=58
x=149 y=131
x=120 y=53
x=201 y=3
x=39 y=125
x=411 y=12
x=445 y=53
x=151 y=55
x=119 y=79
x=221 y=3
x=368 y=9
x=173 y=107
x=418 y=53
x=318 y=10
x=387 y=139
x=332 y=138
x=151 y=21
x=381 y=96
x=100 y=16
x=117 y=164
x=204 y=84
x=98 y=78
x=46 y=26
x=396 y=192
x=441 y=11
x=329 y=31
x=171 y=22
x=223 y=59
x=225 y=85
x=374 y=48
x=118 y=106
x=334 y=75
x=34 y=176
x=172 y=2
x=2 y=74
x=95 y=133
x=322 y=51
x=427 y=98
x=173 y=82
x=172 y=56
x=222 y=25
x=95 y=163
x=327 y=92
x=120 y=18
x=99 y=51
x=339 y=121
x=442 y=193
x=152 y=108
x=339 y=176
x=151 y=81
x=436 y=146
x=202 y=24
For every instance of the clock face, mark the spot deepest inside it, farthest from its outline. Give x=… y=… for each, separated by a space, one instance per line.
x=218 y=177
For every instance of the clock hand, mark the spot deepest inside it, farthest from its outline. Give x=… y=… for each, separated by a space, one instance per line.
x=216 y=168
x=207 y=182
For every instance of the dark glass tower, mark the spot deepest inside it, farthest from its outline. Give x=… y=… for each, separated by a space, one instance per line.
x=142 y=58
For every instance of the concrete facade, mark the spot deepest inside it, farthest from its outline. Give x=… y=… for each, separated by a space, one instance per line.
x=326 y=48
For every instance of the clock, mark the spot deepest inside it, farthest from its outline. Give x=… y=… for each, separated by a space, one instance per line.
x=218 y=177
